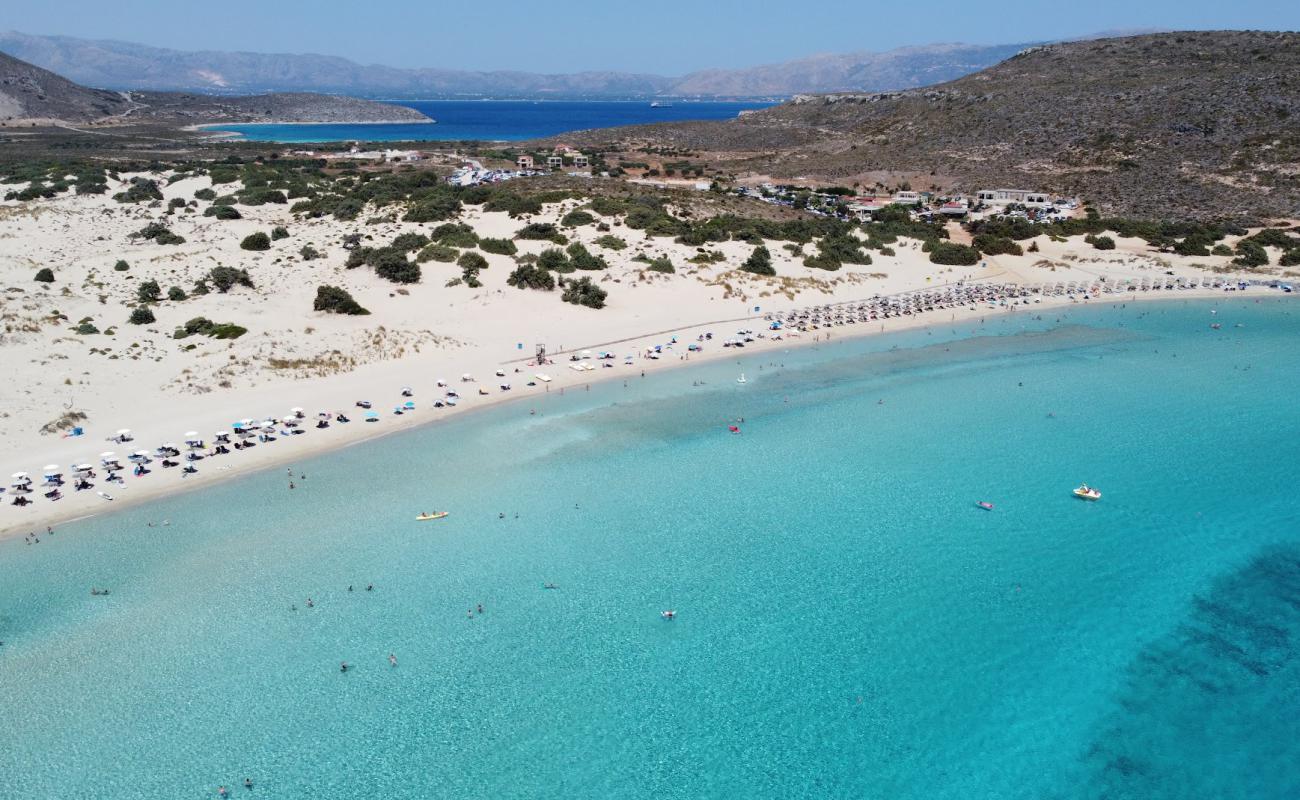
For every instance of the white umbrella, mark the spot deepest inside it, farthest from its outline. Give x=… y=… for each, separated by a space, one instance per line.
x=82 y=467
x=51 y=469
x=19 y=476
x=191 y=435
x=109 y=456
x=124 y=432
x=295 y=410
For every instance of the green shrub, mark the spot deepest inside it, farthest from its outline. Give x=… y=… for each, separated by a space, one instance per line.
x=141 y=315
x=576 y=218
x=501 y=247
x=542 y=231
x=393 y=266
x=611 y=243
x=1221 y=250
x=1290 y=258
x=256 y=242
x=1250 y=254
x=581 y=258
x=279 y=232
x=455 y=235
x=176 y=294
x=226 y=278
x=148 y=292
x=471 y=261
x=309 y=253
x=87 y=329
x=583 y=292
x=529 y=276
x=759 y=262
x=554 y=260
x=1100 y=242
x=159 y=233
x=121 y=266
x=991 y=245
x=950 y=254
x=205 y=194
x=227 y=331
x=45 y=275
x=138 y=191
x=335 y=300
x=436 y=252
x=223 y=212
x=822 y=261
x=201 y=325
x=433 y=209
x=409 y=242
x=661 y=264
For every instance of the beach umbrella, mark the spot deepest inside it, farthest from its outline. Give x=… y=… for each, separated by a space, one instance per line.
x=372 y=415
x=82 y=467
x=297 y=412
x=124 y=432
x=51 y=469
x=108 y=456
x=408 y=404
x=323 y=414
x=20 y=477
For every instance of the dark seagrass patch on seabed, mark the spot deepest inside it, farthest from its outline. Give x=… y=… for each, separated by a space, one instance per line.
x=1213 y=709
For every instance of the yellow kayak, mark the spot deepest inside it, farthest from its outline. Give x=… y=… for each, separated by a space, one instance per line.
x=435 y=515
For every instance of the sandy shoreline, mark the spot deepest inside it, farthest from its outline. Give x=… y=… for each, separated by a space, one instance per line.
x=286 y=450
x=73 y=358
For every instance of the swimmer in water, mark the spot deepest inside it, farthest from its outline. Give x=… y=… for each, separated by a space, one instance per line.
x=343 y=666
x=480 y=608
x=248 y=783
x=392 y=659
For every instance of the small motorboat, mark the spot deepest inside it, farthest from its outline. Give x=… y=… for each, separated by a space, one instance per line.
x=741 y=379
x=733 y=428
x=434 y=515
x=986 y=505
x=1086 y=492
x=669 y=615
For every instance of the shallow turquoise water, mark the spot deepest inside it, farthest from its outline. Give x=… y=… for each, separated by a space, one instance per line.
x=850 y=625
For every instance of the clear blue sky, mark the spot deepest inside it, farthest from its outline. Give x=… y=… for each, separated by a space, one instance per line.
x=660 y=36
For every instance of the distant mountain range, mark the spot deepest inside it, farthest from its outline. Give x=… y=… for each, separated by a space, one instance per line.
x=32 y=95
x=127 y=66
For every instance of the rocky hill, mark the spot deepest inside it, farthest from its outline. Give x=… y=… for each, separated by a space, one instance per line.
x=28 y=92
x=1196 y=124
x=125 y=65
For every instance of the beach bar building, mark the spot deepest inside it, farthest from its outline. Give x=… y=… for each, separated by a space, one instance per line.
x=1025 y=197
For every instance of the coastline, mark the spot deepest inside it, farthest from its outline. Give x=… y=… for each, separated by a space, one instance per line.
x=312 y=443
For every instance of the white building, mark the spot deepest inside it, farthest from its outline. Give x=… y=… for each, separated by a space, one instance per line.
x=908 y=198
x=1025 y=197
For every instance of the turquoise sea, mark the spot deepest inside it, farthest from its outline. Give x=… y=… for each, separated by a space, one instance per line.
x=849 y=624
x=496 y=120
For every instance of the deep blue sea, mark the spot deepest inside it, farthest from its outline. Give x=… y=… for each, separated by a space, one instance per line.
x=496 y=120
x=849 y=624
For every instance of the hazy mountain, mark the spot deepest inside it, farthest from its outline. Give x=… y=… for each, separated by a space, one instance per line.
x=1175 y=124
x=28 y=92
x=904 y=68
x=123 y=65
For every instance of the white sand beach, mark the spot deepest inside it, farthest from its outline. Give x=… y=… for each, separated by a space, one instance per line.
x=141 y=378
